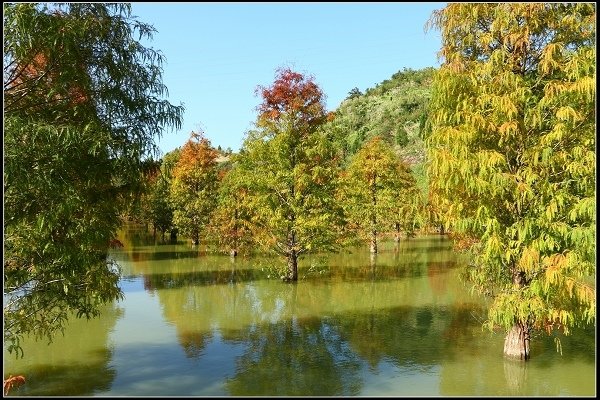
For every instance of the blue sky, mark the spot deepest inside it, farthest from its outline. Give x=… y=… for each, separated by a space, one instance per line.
x=218 y=53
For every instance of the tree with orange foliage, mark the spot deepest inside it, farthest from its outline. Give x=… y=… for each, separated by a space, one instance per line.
x=291 y=171
x=194 y=186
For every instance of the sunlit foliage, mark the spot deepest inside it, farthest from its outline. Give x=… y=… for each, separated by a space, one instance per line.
x=375 y=184
x=194 y=186
x=512 y=154
x=291 y=171
x=81 y=110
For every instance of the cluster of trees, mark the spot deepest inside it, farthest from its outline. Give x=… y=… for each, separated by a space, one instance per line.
x=290 y=189
x=508 y=121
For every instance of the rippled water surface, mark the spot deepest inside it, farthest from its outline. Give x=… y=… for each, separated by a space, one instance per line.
x=198 y=324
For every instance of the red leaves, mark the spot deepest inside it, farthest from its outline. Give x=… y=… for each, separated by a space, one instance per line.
x=291 y=93
x=13 y=381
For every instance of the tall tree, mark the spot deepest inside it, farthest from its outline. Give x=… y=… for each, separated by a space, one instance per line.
x=81 y=110
x=408 y=207
x=230 y=223
x=194 y=186
x=291 y=171
x=375 y=180
x=160 y=208
x=512 y=152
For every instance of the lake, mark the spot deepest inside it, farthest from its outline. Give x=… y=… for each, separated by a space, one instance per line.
x=194 y=323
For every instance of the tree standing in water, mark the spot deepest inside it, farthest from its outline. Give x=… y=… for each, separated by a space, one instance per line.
x=194 y=186
x=375 y=182
x=512 y=153
x=291 y=171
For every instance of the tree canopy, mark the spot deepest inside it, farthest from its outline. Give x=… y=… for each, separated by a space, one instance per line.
x=82 y=106
x=374 y=183
x=291 y=170
x=194 y=186
x=512 y=155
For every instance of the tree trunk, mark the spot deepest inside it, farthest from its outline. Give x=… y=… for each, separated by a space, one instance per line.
x=373 y=241
x=292 y=256
x=516 y=343
x=397 y=236
x=442 y=231
x=374 y=219
x=292 y=266
x=196 y=239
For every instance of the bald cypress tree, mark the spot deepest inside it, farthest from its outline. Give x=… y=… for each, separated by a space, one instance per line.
x=512 y=154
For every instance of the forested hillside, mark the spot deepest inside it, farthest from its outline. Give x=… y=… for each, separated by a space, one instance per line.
x=394 y=109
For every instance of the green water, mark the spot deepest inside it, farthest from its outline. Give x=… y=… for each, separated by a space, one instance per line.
x=198 y=324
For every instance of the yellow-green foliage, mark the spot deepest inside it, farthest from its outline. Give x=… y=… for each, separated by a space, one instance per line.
x=379 y=190
x=512 y=154
x=193 y=191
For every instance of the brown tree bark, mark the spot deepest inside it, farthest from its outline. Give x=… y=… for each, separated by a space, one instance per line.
x=516 y=342
x=292 y=258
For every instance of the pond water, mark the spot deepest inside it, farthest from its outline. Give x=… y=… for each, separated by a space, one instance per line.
x=199 y=324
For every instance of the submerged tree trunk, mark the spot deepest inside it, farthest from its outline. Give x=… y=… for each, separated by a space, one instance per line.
x=292 y=272
x=292 y=257
x=374 y=220
x=234 y=248
x=397 y=236
x=374 y=241
x=516 y=343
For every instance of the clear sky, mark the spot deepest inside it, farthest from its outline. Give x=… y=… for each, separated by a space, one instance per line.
x=218 y=53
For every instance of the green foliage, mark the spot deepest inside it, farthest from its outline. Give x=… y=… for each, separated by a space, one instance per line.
x=512 y=152
x=375 y=190
x=390 y=110
x=230 y=223
x=396 y=111
x=160 y=207
x=193 y=192
x=292 y=190
x=291 y=172
x=81 y=104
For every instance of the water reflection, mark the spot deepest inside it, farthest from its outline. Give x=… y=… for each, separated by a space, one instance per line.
x=295 y=357
x=401 y=324
x=484 y=372
x=76 y=364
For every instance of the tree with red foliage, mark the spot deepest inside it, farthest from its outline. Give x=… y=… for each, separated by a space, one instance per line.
x=291 y=171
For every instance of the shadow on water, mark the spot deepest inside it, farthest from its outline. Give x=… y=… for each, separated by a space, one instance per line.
x=166 y=280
